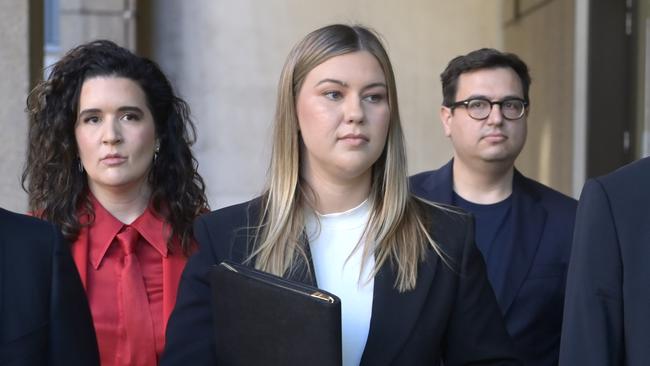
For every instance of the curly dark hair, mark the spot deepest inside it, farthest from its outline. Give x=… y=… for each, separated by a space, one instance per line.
x=484 y=58
x=58 y=190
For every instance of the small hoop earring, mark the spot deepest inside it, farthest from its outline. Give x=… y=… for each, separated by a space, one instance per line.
x=156 y=151
x=80 y=166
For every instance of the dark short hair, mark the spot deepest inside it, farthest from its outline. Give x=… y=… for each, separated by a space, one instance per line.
x=57 y=189
x=485 y=58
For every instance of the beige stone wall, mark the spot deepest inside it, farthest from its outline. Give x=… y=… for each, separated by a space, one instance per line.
x=14 y=53
x=225 y=58
x=543 y=36
x=85 y=20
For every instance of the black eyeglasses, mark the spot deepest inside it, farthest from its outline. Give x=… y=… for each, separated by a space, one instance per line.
x=480 y=108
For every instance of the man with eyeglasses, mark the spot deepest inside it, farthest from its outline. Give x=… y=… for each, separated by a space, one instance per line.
x=523 y=228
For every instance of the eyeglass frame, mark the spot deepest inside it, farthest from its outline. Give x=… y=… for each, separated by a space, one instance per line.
x=466 y=102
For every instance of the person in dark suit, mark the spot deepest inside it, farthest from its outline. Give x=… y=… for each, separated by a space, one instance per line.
x=337 y=213
x=523 y=228
x=44 y=315
x=606 y=310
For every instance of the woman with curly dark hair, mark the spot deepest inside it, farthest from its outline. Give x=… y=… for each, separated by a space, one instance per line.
x=109 y=162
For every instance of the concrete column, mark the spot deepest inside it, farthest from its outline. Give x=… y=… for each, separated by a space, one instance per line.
x=542 y=34
x=21 y=55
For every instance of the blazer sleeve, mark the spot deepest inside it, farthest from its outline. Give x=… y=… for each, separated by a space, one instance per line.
x=190 y=336
x=72 y=337
x=592 y=332
x=476 y=332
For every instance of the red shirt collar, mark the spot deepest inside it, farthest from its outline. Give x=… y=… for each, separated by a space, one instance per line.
x=102 y=232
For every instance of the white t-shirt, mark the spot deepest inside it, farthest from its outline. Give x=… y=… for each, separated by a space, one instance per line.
x=332 y=239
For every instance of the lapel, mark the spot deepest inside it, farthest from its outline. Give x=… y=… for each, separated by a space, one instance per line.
x=304 y=272
x=528 y=219
x=387 y=301
x=394 y=314
x=439 y=186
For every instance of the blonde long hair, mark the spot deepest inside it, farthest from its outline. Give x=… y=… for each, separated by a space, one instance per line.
x=398 y=224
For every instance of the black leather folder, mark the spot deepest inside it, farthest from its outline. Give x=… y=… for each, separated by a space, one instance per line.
x=261 y=319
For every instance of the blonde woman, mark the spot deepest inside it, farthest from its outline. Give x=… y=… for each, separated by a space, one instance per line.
x=337 y=213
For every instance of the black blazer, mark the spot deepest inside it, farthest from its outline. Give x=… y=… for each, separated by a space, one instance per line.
x=44 y=315
x=451 y=314
x=530 y=289
x=607 y=309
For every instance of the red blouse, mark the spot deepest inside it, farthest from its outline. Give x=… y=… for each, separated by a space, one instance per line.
x=100 y=260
